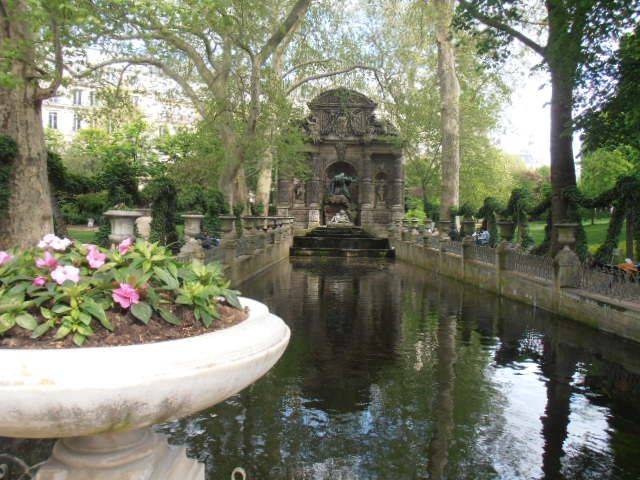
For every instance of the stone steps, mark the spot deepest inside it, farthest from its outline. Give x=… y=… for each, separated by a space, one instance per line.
x=341 y=241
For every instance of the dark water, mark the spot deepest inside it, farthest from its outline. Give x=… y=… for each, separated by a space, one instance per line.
x=395 y=373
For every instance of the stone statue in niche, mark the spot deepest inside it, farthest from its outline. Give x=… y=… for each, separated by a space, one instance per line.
x=298 y=191
x=313 y=127
x=340 y=218
x=380 y=194
x=340 y=185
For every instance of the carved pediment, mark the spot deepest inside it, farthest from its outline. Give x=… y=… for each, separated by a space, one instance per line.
x=341 y=112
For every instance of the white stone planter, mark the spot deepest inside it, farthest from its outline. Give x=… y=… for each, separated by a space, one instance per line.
x=192 y=225
x=123 y=224
x=102 y=401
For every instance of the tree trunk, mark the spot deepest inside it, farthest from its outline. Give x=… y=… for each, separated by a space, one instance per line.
x=450 y=99
x=28 y=216
x=563 y=173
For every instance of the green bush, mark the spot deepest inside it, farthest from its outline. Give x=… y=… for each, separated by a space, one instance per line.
x=120 y=178
x=164 y=209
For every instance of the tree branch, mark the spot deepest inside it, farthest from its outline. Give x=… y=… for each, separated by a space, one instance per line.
x=306 y=64
x=298 y=11
x=311 y=78
x=50 y=91
x=503 y=27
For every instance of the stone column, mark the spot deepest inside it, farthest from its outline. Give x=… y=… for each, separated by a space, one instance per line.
x=192 y=228
x=284 y=199
x=397 y=189
x=566 y=266
x=314 y=194
x=366 y=188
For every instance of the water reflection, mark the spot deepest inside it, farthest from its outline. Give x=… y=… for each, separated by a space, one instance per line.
x=396 y=373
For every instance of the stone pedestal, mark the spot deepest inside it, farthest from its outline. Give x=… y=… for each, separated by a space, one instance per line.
x=566 y=266
x=134 y=455
x=123 y=224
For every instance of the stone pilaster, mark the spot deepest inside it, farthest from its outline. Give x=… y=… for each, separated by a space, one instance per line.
x=284 y=195
x=397 y=189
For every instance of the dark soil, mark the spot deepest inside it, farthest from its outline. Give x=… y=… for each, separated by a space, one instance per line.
x=128 y=330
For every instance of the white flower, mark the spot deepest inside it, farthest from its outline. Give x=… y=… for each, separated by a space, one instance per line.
x=51 y=241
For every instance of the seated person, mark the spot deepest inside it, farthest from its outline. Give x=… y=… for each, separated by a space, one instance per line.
x=484 y=237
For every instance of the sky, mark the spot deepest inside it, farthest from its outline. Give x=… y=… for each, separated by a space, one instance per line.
x=526 y=121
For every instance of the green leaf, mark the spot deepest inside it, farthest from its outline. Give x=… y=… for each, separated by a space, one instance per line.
x=41 y=329
x=79 y=339
x=167 y=278
x=84 y=330
x=168 y=316
x=62 y=332
x=46 y=313
x=142 y=311
x=7 y=321
x=26 y=321
x=187 y=274
x=207 y=319
x=61 y=308
x=92 y=308
x=232 y=298
x=184 y=300
x=84 y=318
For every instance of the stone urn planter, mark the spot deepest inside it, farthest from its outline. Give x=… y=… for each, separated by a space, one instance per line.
x=507 y=229
x=123 y=224
x=192 y=224
x=468 y=226
x=101 y=402
x=567 y=233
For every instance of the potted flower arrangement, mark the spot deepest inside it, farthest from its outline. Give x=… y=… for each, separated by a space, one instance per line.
x=160 y=340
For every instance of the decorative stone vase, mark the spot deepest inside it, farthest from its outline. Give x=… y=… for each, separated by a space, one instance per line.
x=445 y=227
x=123 y=224
x=468 y=226
x=101 y=402
x=192 y=225
x=567 y=234
x=507 y=229
x=227 y=225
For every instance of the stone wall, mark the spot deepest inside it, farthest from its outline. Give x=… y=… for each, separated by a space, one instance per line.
x=538 y=281
x=248 y=246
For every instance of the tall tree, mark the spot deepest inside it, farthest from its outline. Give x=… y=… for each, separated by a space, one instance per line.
x=450 y=99
x=34 y=37
x=577 y=32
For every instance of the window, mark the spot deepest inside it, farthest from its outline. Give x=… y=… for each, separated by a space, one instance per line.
x=77 y=97
x=53 y=120
x=77 y=122
x=92 y=98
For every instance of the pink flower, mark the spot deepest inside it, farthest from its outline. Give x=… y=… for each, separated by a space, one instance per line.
x=95 y=258
x=5 y=257
x=126 y=295
x=39 y=281
x=51 y=241
x=125 y=245
x=49 y=261
x=61 y=274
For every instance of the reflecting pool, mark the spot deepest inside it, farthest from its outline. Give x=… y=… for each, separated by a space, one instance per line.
x=396 y=373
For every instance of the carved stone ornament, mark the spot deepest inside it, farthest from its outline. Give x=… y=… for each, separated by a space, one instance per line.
x=341 y=113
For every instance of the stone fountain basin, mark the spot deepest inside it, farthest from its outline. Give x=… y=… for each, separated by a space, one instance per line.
x=89 y=391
